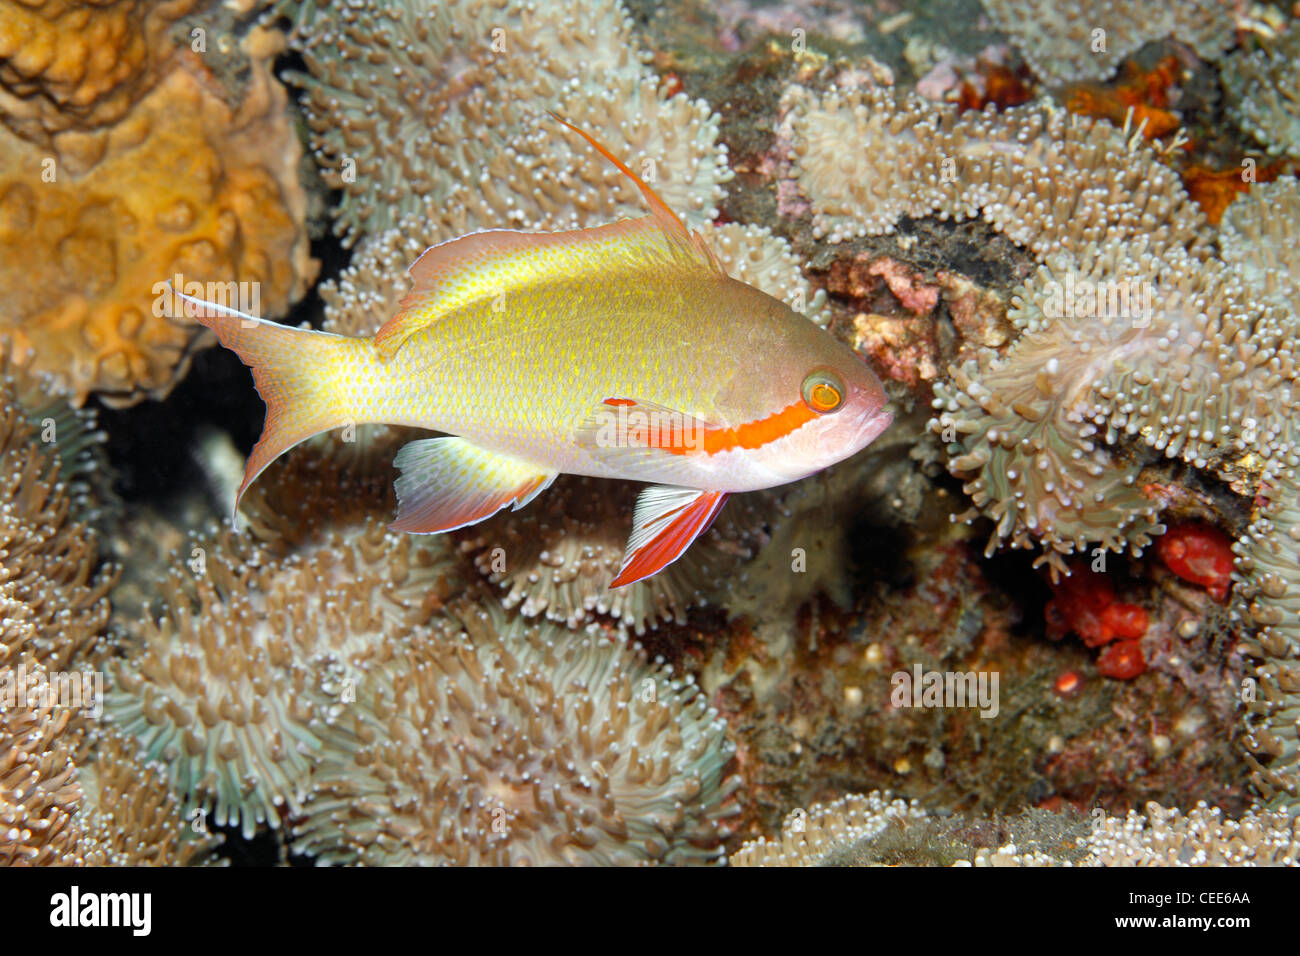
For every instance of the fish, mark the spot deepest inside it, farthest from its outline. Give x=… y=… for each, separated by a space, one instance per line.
x=621 y=351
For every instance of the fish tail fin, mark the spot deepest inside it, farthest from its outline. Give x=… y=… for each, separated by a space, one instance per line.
x=293 y=373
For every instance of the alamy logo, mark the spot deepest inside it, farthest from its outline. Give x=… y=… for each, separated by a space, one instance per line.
x=946 y=689
x=245 y=297
x=1109 y=299
x=628 y=425
x=102 y=909
x=38 y=688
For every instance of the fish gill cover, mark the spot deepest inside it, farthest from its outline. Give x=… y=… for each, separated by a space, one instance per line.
x=1060 y=233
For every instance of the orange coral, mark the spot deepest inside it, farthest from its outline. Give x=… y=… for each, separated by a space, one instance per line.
x=67 y=63
x=1215 y=189
x=995 y=83
x=1145 y=92
x=182 y=184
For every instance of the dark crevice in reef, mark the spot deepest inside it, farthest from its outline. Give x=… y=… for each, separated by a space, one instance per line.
x=151 y=445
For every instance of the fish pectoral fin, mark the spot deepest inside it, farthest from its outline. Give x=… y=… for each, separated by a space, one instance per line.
x=630 y=434
x=667 y=520
x=448 y=483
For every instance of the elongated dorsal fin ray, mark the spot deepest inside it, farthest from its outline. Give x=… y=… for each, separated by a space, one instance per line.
x=659 y=210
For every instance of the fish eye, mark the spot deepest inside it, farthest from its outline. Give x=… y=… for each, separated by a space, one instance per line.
x=823 y=391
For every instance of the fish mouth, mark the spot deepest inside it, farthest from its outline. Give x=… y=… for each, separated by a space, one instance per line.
x=870 y=428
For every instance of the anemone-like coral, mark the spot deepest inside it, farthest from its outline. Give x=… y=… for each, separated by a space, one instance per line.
x=217 y=686
x=38 y=790
x=50 y=569
x=1047 y=179
x=74 y=435
x=754 y=255
x=872 y=830
x=1263 y=90
x=1066 y=40
x=866 y=158
x=91 y=226
x=65 y=803
x=508 y=742
x=1269 y=560
x=409 y=102
x=1161 y=836
x=1121 y=345
x=558 y=556
x=814 y=837
x=1260 y=236
x=68 y=64
x=366 y=294
x=128 y=815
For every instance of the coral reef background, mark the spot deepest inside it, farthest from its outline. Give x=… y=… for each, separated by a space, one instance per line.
x=1063 y=232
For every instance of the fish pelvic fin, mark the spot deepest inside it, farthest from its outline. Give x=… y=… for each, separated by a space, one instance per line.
x=448 y=483
x=294 y=371
x=667 y=520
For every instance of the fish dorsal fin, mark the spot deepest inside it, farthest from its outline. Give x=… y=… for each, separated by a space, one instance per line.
x=454 y=274
x=668 y=220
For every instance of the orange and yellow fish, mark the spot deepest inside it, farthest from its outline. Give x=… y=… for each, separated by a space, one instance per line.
x=620 y=351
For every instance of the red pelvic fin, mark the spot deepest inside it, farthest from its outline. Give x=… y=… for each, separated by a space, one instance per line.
x=668 y=519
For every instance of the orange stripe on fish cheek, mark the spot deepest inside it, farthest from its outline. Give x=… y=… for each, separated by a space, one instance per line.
x=755 y=434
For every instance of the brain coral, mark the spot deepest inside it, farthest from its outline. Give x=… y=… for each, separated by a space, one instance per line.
x=66 y=63
x=1066 y=40
x=425 y=109
x=510 y=743
x=182 y=183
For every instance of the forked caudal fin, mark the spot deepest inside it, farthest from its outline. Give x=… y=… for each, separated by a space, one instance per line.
x=293 y=370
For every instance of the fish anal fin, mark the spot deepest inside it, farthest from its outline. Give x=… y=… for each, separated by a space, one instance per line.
x=667 y=520
x=448 y=483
